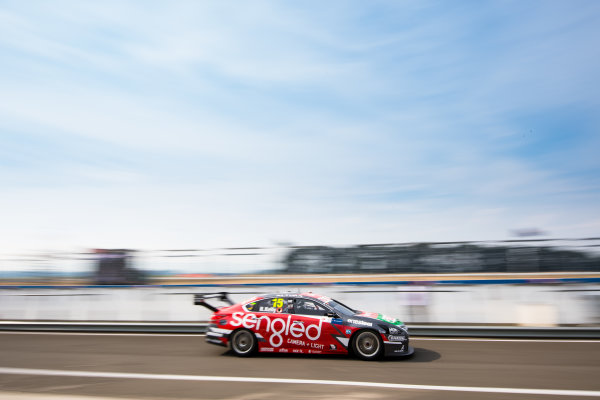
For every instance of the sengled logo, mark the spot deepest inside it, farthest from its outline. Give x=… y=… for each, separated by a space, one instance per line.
x=277 y=327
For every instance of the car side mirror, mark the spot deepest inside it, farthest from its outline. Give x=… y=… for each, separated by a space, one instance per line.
x=332 y=315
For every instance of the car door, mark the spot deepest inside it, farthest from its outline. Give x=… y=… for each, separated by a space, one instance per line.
x=313 y=330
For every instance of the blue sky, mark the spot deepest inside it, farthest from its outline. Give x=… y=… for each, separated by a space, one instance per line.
x=200 y=124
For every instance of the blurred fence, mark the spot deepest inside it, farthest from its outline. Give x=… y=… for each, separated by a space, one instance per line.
x=505 y=304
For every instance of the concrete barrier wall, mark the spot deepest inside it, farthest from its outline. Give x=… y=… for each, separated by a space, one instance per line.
x=529 y=305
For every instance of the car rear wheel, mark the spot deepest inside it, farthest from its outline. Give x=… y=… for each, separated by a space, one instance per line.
x=243 y=343
x=367 y=345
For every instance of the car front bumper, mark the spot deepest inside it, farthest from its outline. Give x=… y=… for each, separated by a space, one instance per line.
x=397 y=349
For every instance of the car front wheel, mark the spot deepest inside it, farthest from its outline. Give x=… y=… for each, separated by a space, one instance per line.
x=243 y=343
x=367 y=345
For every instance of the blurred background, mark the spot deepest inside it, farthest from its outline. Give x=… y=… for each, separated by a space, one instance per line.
x=541 y=282
x=433 y=161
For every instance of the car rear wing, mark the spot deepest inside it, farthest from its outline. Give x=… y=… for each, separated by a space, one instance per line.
x=200 y=300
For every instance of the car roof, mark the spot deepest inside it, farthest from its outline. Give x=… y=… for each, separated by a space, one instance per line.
x=282 y=294
x=310 y=295
x=305 y=295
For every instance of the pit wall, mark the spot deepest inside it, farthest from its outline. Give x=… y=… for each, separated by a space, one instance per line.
x=506 y=304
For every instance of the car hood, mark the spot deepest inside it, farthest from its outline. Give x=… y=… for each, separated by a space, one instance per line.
x=379 y=317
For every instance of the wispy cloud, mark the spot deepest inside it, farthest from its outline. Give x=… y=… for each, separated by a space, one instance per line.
x=161 y=124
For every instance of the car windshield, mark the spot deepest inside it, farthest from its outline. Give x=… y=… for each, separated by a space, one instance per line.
x=341 y=308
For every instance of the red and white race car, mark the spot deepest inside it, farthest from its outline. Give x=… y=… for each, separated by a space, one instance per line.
x=303 y=323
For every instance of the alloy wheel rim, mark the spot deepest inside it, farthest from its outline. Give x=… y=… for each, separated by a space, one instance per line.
x=367 y=344
x=243 y=342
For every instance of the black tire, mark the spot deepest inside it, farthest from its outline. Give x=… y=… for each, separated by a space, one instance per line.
x=367 y=345
x=243 y=343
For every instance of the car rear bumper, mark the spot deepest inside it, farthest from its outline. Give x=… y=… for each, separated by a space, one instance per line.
x=217 y=336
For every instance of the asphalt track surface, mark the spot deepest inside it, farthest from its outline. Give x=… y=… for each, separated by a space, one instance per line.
x=74 y=366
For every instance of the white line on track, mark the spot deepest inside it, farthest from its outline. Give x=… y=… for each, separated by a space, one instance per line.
x=181 y=335
x=124 y=375
x=417 y=338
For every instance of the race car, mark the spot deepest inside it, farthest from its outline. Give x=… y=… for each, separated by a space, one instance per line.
x=304 y=323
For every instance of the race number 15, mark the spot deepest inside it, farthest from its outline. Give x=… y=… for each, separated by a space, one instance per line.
x=277 y=303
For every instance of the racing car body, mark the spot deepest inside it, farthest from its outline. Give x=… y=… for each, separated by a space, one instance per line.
x=304 y=323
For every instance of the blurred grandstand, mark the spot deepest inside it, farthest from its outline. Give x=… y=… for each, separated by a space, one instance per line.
x=122 y=267
x=513 y=256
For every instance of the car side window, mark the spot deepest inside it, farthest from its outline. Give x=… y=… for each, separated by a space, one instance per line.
x=272 y=305
x=309 y=307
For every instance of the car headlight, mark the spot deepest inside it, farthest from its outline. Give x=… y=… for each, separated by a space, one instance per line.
x=393 y=331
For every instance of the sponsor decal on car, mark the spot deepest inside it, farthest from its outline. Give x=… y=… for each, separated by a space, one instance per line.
x=277 y=327
x=369 y=315
x=359 y=322
x=393 y=338
x=391 y=320
x=296 y=342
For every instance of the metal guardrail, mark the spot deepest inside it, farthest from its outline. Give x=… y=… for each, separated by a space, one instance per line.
x=482 y=331
x=116 y=327
x=506 y=332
